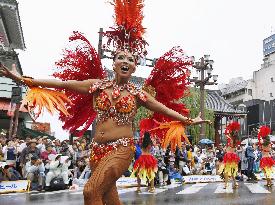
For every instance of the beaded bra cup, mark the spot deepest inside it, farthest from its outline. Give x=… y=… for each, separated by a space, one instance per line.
x=121 y=111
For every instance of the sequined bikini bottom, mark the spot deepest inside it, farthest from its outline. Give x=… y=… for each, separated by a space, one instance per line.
x=99 y=150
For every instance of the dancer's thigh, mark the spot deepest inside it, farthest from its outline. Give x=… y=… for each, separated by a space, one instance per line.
x=109 y=169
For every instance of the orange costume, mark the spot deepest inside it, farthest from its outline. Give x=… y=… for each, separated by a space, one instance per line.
x=267 y=162
x=111 y=159
x=146 y=166
x=231 y=159
x=122 y=112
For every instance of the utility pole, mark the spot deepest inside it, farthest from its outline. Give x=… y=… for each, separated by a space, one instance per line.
x=202 y=66
x=16 y=98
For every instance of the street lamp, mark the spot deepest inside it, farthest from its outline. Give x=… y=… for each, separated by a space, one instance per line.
x=202 y=66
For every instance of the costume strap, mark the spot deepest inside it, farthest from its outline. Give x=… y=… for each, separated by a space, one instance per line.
x=103 y=84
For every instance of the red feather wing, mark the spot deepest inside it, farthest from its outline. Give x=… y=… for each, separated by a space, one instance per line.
x=79 y=63
x=169 y=80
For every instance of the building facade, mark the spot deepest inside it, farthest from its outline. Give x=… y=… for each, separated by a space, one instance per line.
x=11 y=39
x=256 y=95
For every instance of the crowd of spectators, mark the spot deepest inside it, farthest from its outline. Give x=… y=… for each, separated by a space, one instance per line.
x=205 y=160
x=42 y=161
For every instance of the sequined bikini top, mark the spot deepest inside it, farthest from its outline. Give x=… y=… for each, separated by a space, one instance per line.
x=123 y=110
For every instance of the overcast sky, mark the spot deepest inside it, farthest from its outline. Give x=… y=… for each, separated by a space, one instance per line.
x=231 y=31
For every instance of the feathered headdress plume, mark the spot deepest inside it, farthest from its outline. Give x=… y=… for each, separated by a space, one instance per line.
x=127 y=32
x=231 y=132
x=263 y=135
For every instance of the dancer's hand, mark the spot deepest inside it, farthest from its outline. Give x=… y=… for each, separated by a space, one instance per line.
x=12 y=74
x=198 y=120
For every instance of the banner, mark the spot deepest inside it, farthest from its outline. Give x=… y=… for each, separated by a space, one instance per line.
x=128 y=182
x=202 y=178
x=261 y=176
x=269 y=45
x=14 y=186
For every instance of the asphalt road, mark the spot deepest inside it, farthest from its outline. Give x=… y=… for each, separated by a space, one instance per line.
x=188 y=194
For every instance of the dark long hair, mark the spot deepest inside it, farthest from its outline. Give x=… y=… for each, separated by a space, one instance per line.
x=146 y=140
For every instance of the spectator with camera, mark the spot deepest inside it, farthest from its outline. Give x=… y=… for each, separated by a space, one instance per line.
x=9 y=173
x=45 y=155
x=57 y=169
x=30 y=150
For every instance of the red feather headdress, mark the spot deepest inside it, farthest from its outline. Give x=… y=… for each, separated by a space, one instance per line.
x=263 y=135
x=127 y=32
x=231 y=132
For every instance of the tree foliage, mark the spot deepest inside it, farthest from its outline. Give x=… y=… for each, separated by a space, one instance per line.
x=192 y=102
x=142 y=113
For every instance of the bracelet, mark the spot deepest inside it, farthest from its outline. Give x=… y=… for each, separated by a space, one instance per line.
x=27 y=81
x=188 y=121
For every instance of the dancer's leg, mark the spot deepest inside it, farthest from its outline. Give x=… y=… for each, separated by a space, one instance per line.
x=266 y=178
x=104 y=176
x=233 y=175
x=138 y=182
x=225 y=180
x=111 y=197
x=152 y=186
x=235 y=184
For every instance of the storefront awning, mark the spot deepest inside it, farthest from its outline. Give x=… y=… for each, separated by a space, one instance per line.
x=35 y=133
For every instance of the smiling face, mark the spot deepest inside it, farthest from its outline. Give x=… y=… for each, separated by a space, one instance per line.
x=124 y=64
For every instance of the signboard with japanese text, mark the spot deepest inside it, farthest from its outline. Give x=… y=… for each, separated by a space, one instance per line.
x=128 y=182
x=41 y=126
x=202 y=178
x=269 y=45
x=14 y=186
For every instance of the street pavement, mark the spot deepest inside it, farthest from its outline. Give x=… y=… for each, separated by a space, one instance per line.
x=187 y=194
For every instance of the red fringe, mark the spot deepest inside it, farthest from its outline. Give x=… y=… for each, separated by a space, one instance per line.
x=146 y=161
x=231 y=157
x=267 y=162
x=79 y=63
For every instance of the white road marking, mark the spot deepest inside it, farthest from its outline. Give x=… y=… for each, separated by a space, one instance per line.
x=193 y=189
x=172 y=186
x=76 y=192
x=133 y=189
x=161 y=189
x=256 y=188
x=220 y=189
x=13 y=194
x=120 y=191
x=49 y=193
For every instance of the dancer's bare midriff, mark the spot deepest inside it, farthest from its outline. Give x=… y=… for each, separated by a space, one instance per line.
x=109 y=131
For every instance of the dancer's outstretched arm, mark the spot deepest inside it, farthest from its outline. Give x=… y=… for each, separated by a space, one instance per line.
x=155 y=106
x=73 y=85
